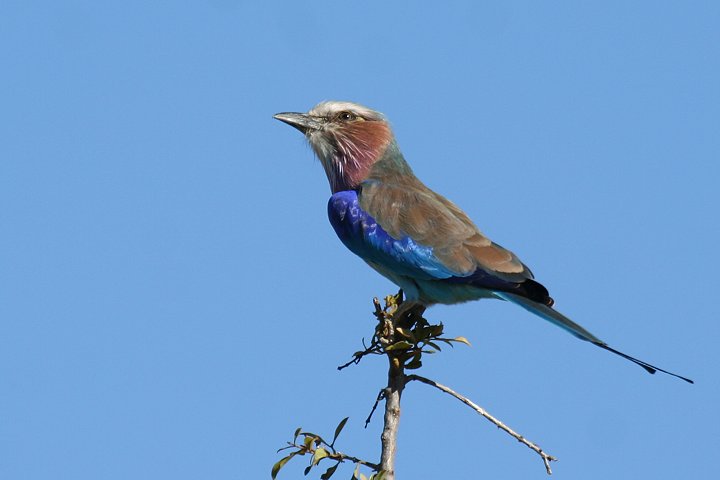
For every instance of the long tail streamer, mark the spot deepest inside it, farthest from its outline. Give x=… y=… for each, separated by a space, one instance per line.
x=557 y=318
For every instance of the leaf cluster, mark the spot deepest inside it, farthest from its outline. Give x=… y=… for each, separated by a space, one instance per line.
x=315 y=446
x=407 y=336
x=421 y=338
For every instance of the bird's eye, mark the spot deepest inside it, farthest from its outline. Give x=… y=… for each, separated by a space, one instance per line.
x=347 y=116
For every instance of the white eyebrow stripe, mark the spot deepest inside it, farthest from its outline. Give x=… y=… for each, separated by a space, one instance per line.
x=330 y=108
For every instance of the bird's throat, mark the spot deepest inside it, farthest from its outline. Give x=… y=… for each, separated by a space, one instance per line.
x=354 y=150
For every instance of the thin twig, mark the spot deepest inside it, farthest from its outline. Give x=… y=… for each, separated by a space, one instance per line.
x=545 y=457
x=373 y=349
x=355 y=360
x=342 y=457
x=380 y=396
x=335 y=455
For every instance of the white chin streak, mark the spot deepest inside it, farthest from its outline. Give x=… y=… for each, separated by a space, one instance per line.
x=340 y=155
x=326 y=153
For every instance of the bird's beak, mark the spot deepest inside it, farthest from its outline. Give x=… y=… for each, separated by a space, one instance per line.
x=301 y=121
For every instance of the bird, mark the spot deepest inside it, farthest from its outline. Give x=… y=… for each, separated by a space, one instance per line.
x=408 y=233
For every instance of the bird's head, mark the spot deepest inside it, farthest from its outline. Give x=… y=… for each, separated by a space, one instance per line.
x=347 y=138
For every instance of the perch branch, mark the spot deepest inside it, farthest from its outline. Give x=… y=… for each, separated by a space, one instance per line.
x=393 y=392
x=404 y=315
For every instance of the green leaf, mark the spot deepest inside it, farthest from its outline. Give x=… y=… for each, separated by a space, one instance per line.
x=356 y=472
x=435 y=346
x=462 y=340
x=421 y=333
x=329 y=472
x=415 y=363
x=280 y=464
x=338 y=429
x=319 y=454
x=379 y=476
x=404 y=332
x=307 y=470
x=401 y=345
x=436 y=330
x=308 y=441
x=297 y=432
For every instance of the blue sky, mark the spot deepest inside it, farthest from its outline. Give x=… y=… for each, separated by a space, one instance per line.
x=173 y=301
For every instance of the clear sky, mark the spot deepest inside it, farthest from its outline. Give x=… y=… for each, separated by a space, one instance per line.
x=173 y=301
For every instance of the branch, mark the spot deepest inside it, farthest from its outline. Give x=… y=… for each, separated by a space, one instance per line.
x=545 y=457
x=393 y=318
x=393 y=392
x=319 y=449
x=335 y=455
x=394 y=315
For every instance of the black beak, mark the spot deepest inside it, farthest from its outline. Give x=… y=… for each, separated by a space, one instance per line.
x=301 y=121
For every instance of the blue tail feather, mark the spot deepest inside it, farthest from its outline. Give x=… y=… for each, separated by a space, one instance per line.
x=557 y=318
x=552 y=316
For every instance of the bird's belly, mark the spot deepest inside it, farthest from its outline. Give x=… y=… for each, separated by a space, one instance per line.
x=430 y=292
x=437 y=291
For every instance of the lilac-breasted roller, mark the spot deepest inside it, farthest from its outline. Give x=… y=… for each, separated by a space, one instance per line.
x=413 y=236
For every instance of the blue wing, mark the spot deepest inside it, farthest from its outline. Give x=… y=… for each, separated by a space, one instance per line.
x=361 y=233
